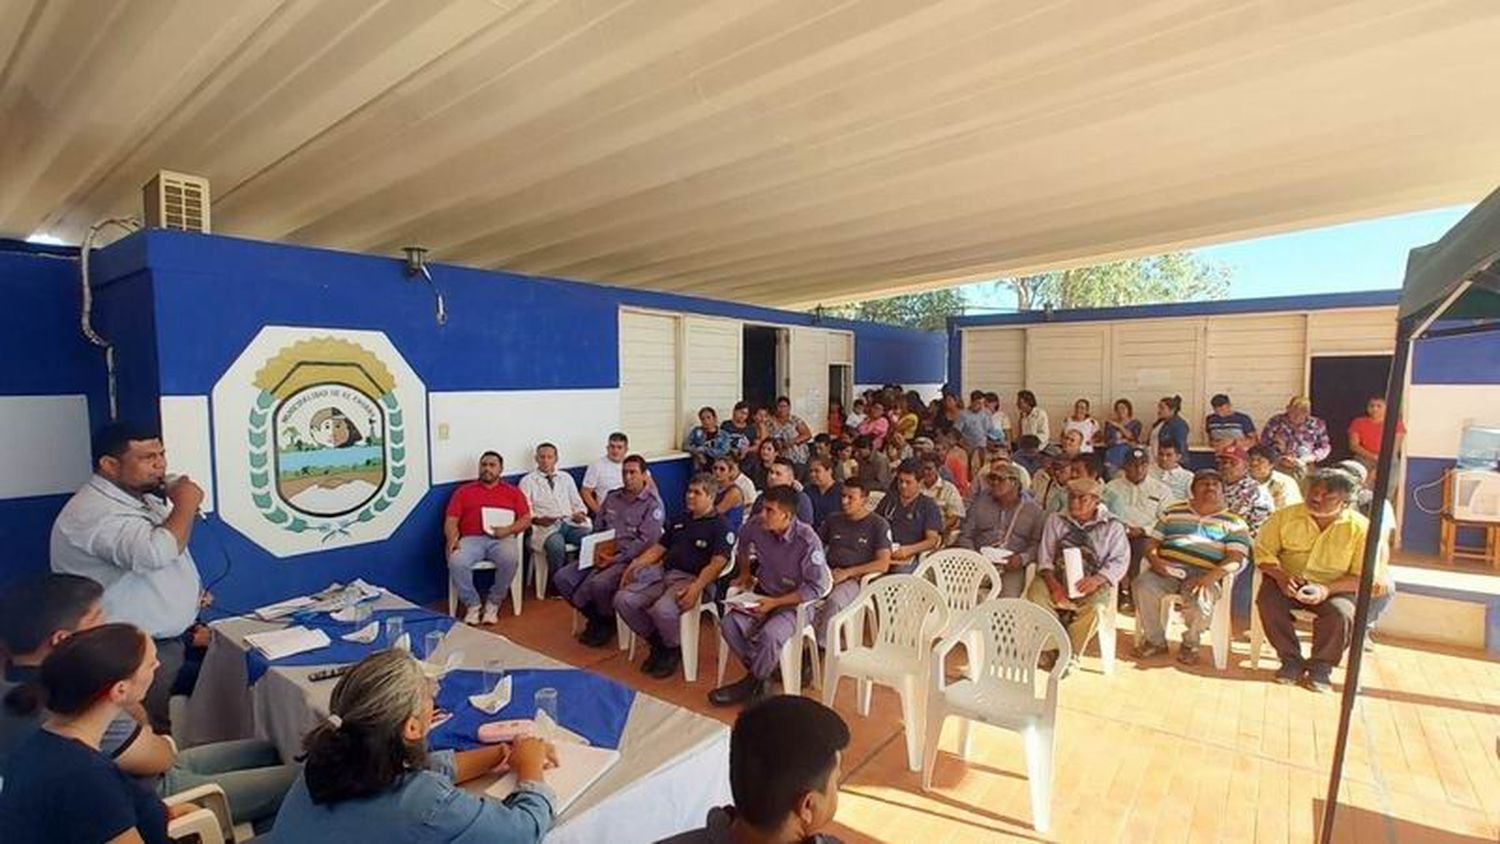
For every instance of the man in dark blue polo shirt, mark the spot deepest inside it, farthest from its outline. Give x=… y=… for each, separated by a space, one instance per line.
x=672 y=576
x=915 y=520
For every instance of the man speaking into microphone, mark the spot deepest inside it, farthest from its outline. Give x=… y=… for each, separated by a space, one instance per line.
x=128 y=529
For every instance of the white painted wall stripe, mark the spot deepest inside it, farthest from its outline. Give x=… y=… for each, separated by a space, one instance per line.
x=1437 y=413
x=44 y=445
x=185 y=433
x=512 y=422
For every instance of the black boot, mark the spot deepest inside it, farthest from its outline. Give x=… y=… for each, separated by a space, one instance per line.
x=654 y=659
x=670 y=660
x=741 y=690
x=597 y=634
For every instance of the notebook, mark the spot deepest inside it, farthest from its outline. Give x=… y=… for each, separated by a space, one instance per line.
x=578 y=767
x=588 y=548
x=278 y=644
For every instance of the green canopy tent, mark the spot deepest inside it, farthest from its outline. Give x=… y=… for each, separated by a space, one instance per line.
x=1452 y=287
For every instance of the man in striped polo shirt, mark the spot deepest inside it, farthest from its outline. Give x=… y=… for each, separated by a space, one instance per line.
x=1193 y=546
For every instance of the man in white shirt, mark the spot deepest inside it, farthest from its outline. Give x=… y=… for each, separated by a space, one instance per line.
x=933 y=485
x=1169 y=470
x=604 y=475
x=128 y=529
x=558 y=514
x=1136 y=499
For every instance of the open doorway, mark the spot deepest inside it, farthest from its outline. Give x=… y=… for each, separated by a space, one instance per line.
x=762 y=365
x=840 y=384
x=1339 y=387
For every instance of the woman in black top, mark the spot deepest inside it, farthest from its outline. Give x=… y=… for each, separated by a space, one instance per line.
x=759 y=465
x=58 y=786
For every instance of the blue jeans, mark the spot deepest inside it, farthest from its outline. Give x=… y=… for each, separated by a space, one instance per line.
x=250 y=772
x=472 y=549
x=555 y=547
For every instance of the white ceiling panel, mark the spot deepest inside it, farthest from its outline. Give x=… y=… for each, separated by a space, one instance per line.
x=784 y=152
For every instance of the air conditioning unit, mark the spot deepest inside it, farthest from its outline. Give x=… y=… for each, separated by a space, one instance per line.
x=1476 y=495
x=177 y=201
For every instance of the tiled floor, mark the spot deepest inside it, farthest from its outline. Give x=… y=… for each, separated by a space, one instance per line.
x=1163 y=753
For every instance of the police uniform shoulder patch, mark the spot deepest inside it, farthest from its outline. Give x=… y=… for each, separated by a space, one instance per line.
x=729 y=538
x=819 y=558
x=657 y=514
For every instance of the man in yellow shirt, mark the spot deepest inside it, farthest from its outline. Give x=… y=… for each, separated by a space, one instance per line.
x=1310 y=555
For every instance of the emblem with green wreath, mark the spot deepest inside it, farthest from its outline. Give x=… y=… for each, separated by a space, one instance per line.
x=327 y=442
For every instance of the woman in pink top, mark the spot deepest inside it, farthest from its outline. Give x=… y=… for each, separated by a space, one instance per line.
x=877 y=425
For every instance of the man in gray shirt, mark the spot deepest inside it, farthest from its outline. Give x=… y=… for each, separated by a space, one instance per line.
x=1004 y=519
x=128 y=528
x=857 y=543
x=1100 y=541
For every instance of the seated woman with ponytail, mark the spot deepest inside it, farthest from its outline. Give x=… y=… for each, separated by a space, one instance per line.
x=58 y=786
x=368 y=774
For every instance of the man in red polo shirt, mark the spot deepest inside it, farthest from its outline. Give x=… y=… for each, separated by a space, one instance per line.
x=473 y=532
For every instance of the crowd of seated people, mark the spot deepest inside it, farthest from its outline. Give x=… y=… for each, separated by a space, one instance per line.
x=950 y=473
x=802 y=519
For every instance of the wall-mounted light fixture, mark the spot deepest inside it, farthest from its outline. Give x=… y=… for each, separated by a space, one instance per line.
x=416 y=265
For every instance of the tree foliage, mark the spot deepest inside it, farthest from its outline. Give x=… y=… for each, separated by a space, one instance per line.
x=928 y=310
x=1171 y=277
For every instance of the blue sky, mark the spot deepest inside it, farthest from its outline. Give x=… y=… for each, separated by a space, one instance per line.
x=1368 y=255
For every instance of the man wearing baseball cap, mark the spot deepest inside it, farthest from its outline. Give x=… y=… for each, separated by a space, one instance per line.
x=1004 y=519
x=1047 y=485
x=1098 y=538
x=1136 y=499
x=1243 y=494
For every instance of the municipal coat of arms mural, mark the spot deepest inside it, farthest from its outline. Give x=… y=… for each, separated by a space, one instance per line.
x=320 y=439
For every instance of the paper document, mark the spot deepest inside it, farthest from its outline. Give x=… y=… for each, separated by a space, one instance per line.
x=1073 y=569
x=494 y=517
x=578 y=767
x=589 y=548
x=365 y=635
x=278 y=644
x=998 y=556
x=271 y=612
x=743 y=601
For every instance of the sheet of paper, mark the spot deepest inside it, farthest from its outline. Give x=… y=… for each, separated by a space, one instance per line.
x=494 y=517
x=1073 y=569
x=365 y=635
x=278 y=644
x=579 y=766
x=271 y=612
x=996 y=555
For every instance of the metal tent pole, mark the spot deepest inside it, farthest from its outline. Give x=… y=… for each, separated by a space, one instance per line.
x=1395 y=388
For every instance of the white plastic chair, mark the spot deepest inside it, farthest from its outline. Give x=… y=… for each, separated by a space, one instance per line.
x=906 y=613
x=1257 y=630
x=690 y=631
x=517 y=583
x=791 y=651
x=211 y=823
x=963 y=577
x=1002 y=689
x=1219 y=625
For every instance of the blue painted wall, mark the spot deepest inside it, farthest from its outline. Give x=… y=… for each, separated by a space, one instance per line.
x=44 y=355
x=184 y=306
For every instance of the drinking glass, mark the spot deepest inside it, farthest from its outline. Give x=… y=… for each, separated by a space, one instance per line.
x=394 y=626
x=430 y=644
x=546 y=701
x=494 y=672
